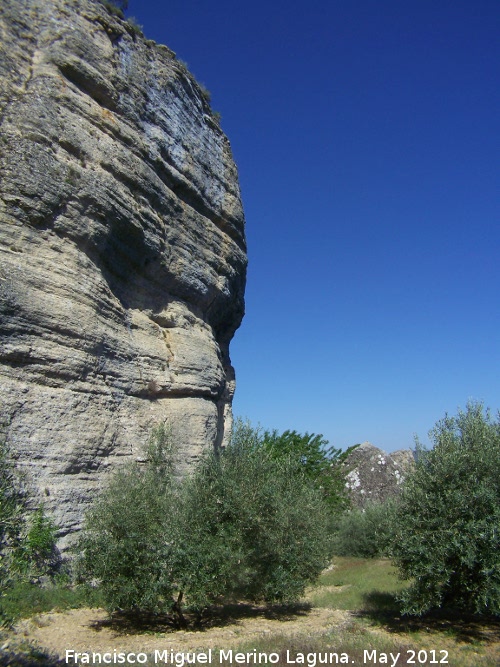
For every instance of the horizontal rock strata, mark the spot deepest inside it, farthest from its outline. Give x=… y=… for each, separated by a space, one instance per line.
x=122 y=250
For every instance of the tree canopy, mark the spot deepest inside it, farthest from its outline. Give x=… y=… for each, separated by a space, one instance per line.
x=243 y=525
x=319 y=462
x=447 y=530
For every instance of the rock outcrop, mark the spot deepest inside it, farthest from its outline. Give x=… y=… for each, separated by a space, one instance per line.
x=122 y=249
x=375 y=475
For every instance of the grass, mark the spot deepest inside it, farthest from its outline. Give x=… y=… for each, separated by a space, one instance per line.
x=365 y=587
x=352 y=642
x=358 y=584
x=23 y=599
x=369 y=588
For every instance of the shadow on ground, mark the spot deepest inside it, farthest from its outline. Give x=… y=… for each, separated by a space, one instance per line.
x=216 y=616
x=382 y=608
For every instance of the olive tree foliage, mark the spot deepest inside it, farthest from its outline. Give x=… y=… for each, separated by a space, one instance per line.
x=365 y=532
x=127 y=541
x=270 y=518
x=447 y=526
x=242 y=526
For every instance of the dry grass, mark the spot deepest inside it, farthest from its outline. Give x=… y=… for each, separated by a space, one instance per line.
x=352 y=610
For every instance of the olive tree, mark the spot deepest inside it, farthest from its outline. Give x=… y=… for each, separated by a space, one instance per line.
x=242 y=526
x=264 y=513
x=365 y=532
x=447 y=526
x=126 y=543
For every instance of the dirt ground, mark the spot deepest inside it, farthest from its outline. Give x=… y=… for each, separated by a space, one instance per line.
x=89 y=630
x=471 y=641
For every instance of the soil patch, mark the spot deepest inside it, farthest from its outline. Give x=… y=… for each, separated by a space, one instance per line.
x=90 y=630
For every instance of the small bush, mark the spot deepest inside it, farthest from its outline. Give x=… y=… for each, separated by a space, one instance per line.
x=205 y=93
x=36 y=555
x=27 y=544
x=365 y=532
x=12 y=508
x=182 y=65
x=112 y=8
x=135 y=28
x=447 y=530
x=115 y=7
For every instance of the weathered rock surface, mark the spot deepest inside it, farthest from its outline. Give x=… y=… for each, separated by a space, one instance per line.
x=375 y=475
x=122 y=249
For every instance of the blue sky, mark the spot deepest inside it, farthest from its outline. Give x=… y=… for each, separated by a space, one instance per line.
x=366 y=134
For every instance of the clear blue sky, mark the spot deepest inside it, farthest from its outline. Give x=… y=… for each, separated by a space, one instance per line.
x=366 y=133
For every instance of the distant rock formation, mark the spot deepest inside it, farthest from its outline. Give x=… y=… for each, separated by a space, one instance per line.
x=122 y=249
x=375 y=475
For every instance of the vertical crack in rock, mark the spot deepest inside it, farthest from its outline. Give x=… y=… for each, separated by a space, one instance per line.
x=122 y=250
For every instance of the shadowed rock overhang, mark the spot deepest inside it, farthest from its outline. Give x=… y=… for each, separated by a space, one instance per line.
x=122 y=250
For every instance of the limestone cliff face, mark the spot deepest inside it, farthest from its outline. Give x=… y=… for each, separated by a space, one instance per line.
x=122 y=249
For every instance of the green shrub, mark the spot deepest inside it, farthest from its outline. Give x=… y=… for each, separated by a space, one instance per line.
x=205 y=93
x=183 y=65
x=135 y=27
x=36 y=555
x=365 y=532
x=27 y=544
x=243 y=525
x=447 y=532
x=12 y=507
x=115 y=7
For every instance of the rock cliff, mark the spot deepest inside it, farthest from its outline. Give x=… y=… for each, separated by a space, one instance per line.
x=122 y=249
x=375 y=475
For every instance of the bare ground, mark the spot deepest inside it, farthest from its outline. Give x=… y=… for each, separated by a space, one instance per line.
x=471 y=642
x=89 y=630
